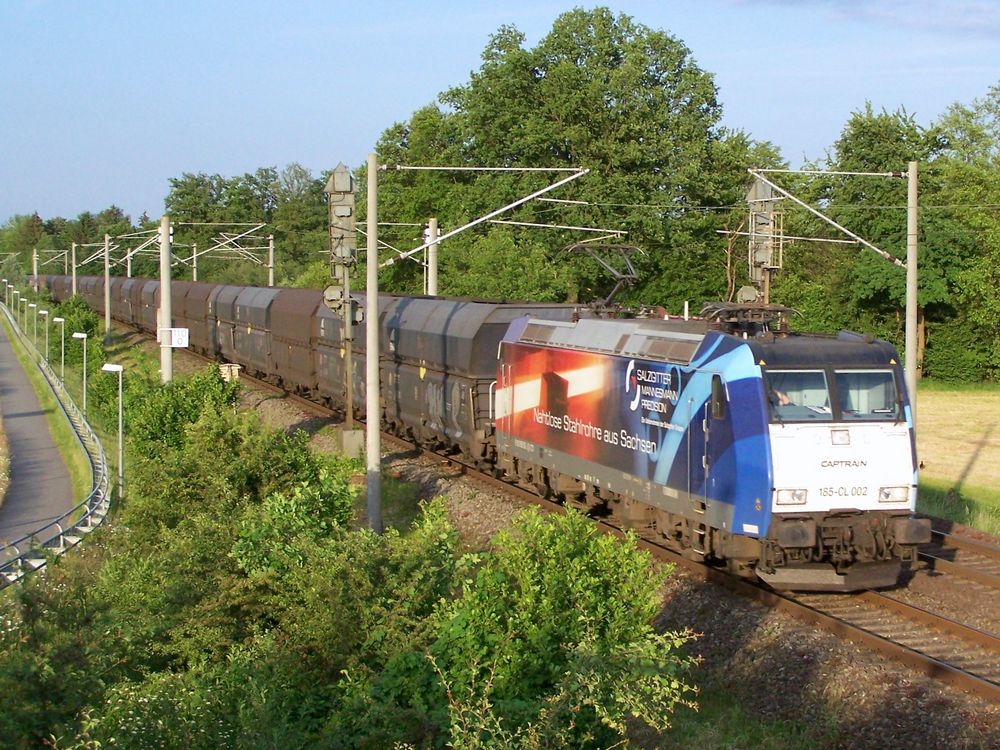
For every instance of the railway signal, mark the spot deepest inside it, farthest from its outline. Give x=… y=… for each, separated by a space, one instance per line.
x=337 y=297
x=343 y=234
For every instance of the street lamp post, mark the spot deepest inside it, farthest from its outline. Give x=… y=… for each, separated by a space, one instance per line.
x=111 y=367
x=22 y=321
x=62 y=348
x=34 y=335
x=83 y=338
x=45 y=314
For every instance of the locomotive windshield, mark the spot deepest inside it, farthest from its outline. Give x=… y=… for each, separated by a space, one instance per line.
x=867 y=394
x=798 y=395
x=805 y=395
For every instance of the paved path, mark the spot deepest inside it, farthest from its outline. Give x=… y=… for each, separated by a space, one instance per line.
x=40 y=488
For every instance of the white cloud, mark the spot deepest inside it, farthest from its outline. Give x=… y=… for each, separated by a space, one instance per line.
x=979 y=18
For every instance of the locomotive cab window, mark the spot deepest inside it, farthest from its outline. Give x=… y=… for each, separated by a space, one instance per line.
x=718 y=398
x=798 y=395
x=867 y=395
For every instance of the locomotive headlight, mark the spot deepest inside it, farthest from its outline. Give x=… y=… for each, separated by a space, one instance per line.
x=791 y=497
x=893 y=494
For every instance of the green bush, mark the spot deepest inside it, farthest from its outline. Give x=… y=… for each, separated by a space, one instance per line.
x=158 y=414
x=268 y=532
x=230 y=605
x=552 y=644
x=165 y=710
x=549 y=644
x=80 y=319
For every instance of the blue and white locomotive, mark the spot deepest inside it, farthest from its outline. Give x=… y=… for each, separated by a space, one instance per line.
x=786 y=456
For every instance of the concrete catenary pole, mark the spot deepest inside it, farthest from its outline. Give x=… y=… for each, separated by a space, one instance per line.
x=194 y=261
x=107 y=289
x=34 y=268
x=166 y=315
x=72 y=263
x=911 y=286
x=373 y=441
x=270 y=260
x=432 y=257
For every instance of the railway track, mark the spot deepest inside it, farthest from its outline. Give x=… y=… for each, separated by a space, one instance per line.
x=934 y=645
x=954 y=554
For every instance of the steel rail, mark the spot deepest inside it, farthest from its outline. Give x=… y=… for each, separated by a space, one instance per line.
x=943 y=565
x=925 y=664
x=967 y=545
x=934 y=620
x=917 y=660
x=936 y=556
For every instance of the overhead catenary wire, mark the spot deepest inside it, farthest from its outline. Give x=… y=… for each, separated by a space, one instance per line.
x=556 y=226
x=409 y=168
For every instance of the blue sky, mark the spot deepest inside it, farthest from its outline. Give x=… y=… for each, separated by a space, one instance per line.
x=103 y=101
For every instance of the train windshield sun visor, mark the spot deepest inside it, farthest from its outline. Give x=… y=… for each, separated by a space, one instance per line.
x=868 y=395
x=798 y=395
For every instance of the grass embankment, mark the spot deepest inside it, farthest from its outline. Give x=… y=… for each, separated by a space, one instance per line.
x=958 y=446
x=81 y=477
x=723 y=722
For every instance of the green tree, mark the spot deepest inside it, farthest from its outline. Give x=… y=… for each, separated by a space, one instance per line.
x=299 y=217
x=19 y=236
x=251 y=197
x=857 y=288
x=598 y=91
x=971 y=171
x=496 y=266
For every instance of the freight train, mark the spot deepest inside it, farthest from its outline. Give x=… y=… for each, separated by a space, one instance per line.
x=783 y=456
